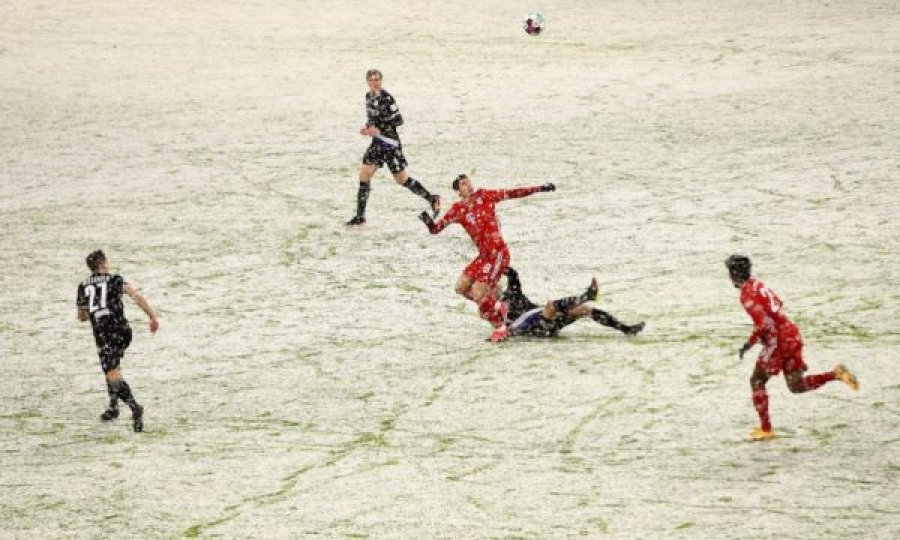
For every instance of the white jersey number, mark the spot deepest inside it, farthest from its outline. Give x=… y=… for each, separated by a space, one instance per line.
x=95 y=303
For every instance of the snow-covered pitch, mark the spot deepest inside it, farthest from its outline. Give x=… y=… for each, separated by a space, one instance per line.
x=311 y=380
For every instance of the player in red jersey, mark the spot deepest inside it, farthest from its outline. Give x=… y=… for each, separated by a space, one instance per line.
x=781 y=342
x=475 y=211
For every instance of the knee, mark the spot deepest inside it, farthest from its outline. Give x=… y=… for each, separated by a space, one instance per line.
x=549 y=311
x=796 y=387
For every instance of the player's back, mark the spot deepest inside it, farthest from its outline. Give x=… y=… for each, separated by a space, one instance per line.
x=764 y=306
x=101 y=296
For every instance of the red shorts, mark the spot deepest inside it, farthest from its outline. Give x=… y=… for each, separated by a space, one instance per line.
x=784 y=353
x=488 y=268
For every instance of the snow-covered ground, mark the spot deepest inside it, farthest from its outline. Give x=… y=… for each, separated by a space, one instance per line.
x=311 y=380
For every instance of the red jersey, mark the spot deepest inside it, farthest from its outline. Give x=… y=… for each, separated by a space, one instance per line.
x=479 y=218
x=765 y=308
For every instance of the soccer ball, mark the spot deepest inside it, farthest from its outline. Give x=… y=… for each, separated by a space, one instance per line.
x=534 y=24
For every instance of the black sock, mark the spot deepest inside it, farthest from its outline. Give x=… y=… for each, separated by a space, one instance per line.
x=124 y=392
x=113 y=396
x=413 y=185
x=565 y=304
x=606 y=319
x=362 y=197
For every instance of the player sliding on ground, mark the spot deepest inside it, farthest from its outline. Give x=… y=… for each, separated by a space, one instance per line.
x=782 y=345
x=525 y=318
x=475 y=211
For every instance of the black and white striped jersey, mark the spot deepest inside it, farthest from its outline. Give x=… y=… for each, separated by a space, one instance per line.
x=101 y=296
x=383 y=113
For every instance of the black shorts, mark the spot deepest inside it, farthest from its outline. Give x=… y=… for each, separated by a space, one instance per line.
x=537 y=326
x=111 y=345
x=543 y=328
x=379 y=153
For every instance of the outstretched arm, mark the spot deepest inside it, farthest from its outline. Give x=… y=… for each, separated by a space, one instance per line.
x=144 y=305
x=518 y=193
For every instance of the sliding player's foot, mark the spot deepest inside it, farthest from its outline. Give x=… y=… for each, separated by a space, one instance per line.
x=356 y=220
x=591 y=293
x=633 y=329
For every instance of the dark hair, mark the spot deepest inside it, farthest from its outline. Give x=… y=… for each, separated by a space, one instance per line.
x=739 y=267
x=94 y=259
x=457 y=180
x=374 y=72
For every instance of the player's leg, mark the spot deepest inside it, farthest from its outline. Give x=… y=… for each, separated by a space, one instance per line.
x=794 y=367
x=120 y=386
x=397 y=164
x=464 y=285
x=607 y=319
x=566 y=304
x=367 y=170
x=488 y=308
x=119 y=344
x=799 y=384
x=761 y=403
x=112 y=410
x=549 y=312
x=109 y=363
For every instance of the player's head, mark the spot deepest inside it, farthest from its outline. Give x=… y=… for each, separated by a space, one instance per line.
x=739 y=267
x=373 y=79
x=462 y=184
x=95 y=260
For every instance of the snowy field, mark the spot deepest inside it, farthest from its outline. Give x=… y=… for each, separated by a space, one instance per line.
x=314 y=381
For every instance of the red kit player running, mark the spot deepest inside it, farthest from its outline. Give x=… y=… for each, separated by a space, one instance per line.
x=475 y=211
x=781 y=342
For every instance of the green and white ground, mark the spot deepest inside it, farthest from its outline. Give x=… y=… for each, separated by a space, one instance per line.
x=311 y=380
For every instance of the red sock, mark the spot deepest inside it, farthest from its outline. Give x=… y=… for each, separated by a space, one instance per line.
x=814 y=381
x=761 y=403
x=487 y=311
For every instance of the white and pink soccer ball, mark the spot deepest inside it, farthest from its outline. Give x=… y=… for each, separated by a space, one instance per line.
x=534 y=24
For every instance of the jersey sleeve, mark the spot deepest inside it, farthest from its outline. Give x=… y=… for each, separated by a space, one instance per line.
x=756 y=309
x=497 y=195
x=81 y=301
x=119 y=283
x=393 y=117
x=452 y=216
